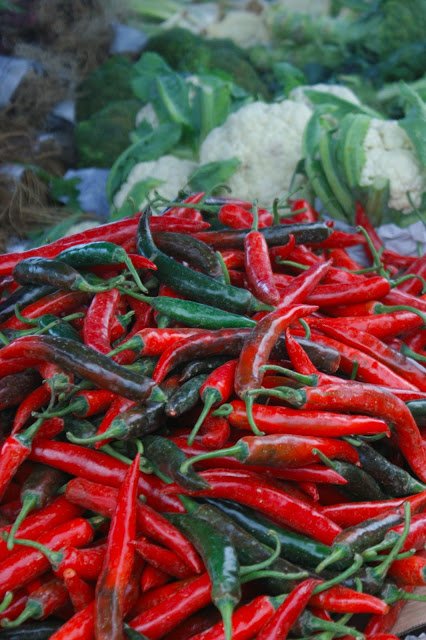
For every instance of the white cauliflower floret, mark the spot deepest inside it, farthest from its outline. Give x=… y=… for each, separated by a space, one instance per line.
x=267 y=139
x=147 y=113
x=390 y=154
x=298 y=94
x=173 y=171
x=243 y=27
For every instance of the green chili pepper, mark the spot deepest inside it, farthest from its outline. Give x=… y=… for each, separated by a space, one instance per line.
x=58 y=328
x=418 y=411
x=194 y=314
x=56 y=273
x=193 y=284
x=83 y=256
x=221 y=561
x=166 y=456
x=185 y=397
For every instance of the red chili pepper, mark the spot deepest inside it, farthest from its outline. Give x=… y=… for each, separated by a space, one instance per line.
x=118 y=561
x=100 y=467
x=308 y=215
x=410 y=571
x=379 y=623
x=283 y=251
x=160 y=558
x=217 y=388
x=118 y=405
x=98 y=320
x=153 y=597
x=347 y=514
x=250 y=489
x=357 y=397
x=176 y=223
x=58 y=303
x=383 y=325
x=80 y=592
x=164 y=616
x=327 y=295
x=58 y=511
x=237 y=217
x=234 y=258
x=42 y=602
x=152 y=578
x=16 y=607
x=194 y=198
x=103 y=499
x=26 y=564
x=414 y=286
x=280 y=624
x=214 y=432
x=258 y=268
x=89 y=403
x=342 y=260
x=80 y=627
x=374 y=347
x=33 y=402
x=341 y=599
x=273 y=419
x=416 y=538
x=304 y=284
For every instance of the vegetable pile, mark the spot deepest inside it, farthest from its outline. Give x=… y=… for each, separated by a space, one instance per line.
x=211 y=433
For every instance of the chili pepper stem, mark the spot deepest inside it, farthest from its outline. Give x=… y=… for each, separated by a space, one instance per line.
x=31 y=610
x=412 y=354
x=355 y=566
x=133 y=344
x=209 y=401
x=54 y=557
x=226 y=609
x=308 y=380
x=249 y=400
x=384 y=308
x=6 y=601
x=295 y=397
x=134 y=273
x=236 y=450
x=372 y=552
x=247 y=569
x=223 y=411
x=335 y=556
x=257 y=575
x=28 y=505
x=394 y=594
x=379 y=572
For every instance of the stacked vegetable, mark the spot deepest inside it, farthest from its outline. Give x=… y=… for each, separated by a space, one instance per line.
x=201 y=424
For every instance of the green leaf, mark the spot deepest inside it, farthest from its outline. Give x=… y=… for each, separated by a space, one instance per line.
x=108 y=83
x=145 y=71
x=211 y=175
x=170 y=99
x=137 y=194
x=414 y=122
x=341 y=107
x=288 y=77
x=211 y=104
x=150 y=147
x=57 y=231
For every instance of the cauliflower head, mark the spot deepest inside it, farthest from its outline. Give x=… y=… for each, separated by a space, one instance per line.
x=173 y=172
x=298 y=94
x=243 y=27
x=267 y=139
x=390 y=154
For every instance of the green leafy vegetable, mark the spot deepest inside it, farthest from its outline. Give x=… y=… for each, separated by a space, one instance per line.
x=414 y=122
x=138 y=193
x=213 y=174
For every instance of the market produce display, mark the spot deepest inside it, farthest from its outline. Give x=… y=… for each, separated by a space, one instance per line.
x=212 y=425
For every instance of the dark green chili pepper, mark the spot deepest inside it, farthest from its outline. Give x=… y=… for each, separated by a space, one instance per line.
x=418 y=411
x=196 y=367
x=187 y=248
x=249 y=550
x=194 y=314
x=295 y=547
x=79 y=427
x=393 y=479
x=221 y=561
x=16 y=386
x=35 y=631
x=276 y=235
x=359 y=483
x=193 y=284
x=84 y=256
x=166 y=456
x=143 y=366
x=88 y=364
x=307 y=626
x=55 y=273
x=185 y=397
x=22 y=297
x=60 y=329
x=130 y=424
x=359 y=538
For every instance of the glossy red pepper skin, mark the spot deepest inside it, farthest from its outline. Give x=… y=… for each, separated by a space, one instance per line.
x=80 y=592
x=99 y=467
x=253 y=491
x=58 y=511
x=347 y=514
x=119 y=560
x=258 y=268
x=274 y=419
x=374 y=347
x=377 y=402
x=163 y=559
x=58 y=303
x=410 y=571
x=328 y=295
x=164 y=616
x=416 y=538
x=381 y=325
x=26 y=564
x=280 y=624
x=298 y=290
x=259 y=344
x=220 y=382
x=103 y=499
x=118 y=405
x=341 y=599
x=379 y=623
x=152 y=578
x=98 y=320
x=214 y=432
x=33 y=402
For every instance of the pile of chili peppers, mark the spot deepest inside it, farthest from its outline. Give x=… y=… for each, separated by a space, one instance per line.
x=212 y=426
